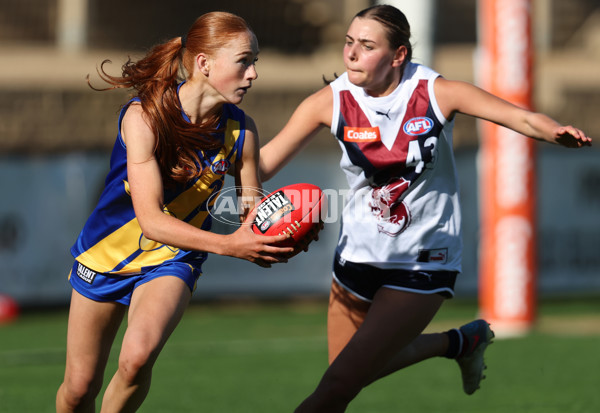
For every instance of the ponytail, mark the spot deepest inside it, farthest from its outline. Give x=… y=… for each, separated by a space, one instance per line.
x=155 y=79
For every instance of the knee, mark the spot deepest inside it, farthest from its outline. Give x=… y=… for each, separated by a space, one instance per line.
x=78 y=391
x=135 y=363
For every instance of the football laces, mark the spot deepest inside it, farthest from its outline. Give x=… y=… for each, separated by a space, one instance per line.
x=292 y=229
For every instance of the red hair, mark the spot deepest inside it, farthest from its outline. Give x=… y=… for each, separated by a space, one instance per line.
x=155 y=78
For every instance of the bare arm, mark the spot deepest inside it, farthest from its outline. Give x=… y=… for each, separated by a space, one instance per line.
x=311 y=115
x=247 y=180
x=146 y=188
x=461 y=97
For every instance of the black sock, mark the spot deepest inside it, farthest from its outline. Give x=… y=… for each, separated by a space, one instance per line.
x=455 y=343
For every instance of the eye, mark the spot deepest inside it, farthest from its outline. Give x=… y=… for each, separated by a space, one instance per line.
x=247 y=61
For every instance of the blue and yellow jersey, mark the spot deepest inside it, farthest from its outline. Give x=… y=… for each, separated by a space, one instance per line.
x=112 y=241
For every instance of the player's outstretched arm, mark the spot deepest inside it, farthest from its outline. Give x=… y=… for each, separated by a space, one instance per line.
x=312 y=114
x=553 y=132
x=461 y=97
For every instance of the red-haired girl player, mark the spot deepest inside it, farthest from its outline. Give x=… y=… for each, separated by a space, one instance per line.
x=140 y=252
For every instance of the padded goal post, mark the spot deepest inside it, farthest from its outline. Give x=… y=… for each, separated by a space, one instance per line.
x=507 y=180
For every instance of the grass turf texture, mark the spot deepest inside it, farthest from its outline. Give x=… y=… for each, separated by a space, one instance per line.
x=256 y=357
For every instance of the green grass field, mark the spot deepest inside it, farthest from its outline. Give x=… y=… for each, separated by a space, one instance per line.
x=257 y=357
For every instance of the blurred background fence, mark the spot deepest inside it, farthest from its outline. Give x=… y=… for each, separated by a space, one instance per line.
x=56 y=133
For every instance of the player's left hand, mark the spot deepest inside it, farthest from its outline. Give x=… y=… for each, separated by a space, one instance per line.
x=572 y=137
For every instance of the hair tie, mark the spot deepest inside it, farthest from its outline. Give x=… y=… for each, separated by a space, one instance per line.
x=183 y=41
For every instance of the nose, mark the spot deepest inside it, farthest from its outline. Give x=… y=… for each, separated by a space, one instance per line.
x=350 y=52
x=251 y=72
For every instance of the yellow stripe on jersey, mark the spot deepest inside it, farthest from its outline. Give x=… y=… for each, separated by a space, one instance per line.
x=232 y=133
x=110 y=251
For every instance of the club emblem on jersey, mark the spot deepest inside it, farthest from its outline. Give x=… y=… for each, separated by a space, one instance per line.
x=221 y=166
x=418 y=126
x=361 y=135
x=392 y=214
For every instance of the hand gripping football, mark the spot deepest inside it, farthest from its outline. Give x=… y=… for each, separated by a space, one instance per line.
x=296 y=209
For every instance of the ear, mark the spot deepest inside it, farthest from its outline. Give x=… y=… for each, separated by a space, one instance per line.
x=399 y=56
x=203 y=64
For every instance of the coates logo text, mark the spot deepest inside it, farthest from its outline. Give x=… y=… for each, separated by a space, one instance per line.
x=361 y=134
x=418 y=126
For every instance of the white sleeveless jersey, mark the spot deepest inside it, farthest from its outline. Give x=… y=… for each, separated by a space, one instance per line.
x=402 y=209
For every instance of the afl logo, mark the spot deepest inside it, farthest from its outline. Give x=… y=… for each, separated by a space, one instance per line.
x=418 y=126
x=220 y=167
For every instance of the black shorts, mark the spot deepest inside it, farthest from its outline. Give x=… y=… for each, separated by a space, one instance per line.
x=364 y=280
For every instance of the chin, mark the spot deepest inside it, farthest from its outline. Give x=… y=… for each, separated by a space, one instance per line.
x=235 y=100
x=238 y=98
x=356 y=78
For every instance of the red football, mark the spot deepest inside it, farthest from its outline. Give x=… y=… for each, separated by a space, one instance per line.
x=295 y=209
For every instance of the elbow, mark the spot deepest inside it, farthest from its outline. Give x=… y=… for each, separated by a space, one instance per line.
x=151 y=235
x=149 y=231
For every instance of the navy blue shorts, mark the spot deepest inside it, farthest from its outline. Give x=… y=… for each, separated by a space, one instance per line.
x=118 y=288
x=364 y=280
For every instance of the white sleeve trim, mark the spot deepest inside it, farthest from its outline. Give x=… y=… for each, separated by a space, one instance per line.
x=434 y=102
